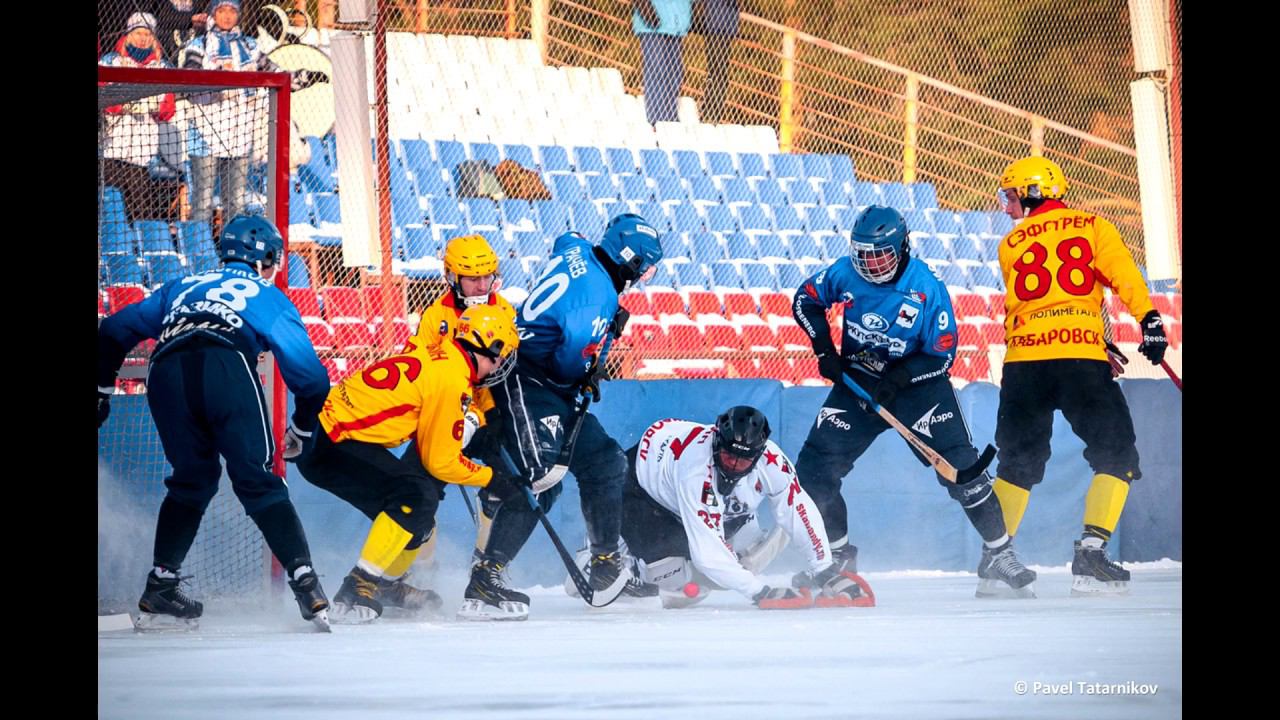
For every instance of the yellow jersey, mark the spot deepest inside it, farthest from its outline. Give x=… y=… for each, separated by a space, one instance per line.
x=421 y=393
x=440 y=320
x=1055 y=265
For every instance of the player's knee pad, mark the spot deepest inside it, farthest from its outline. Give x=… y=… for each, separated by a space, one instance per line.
x=971 y=493
x=669 y=573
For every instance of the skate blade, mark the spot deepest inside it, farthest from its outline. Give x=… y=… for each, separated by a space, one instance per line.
x=160 y=623
x=480 y=611
x=344 y=614
x=1086 y=586
x=990 y=589
x=321 y=621
x=606 y=596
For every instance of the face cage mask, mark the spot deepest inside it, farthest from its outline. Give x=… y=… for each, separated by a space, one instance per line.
x=500 y=374
x=455 y=283
x=875 y=263
x=727 y=472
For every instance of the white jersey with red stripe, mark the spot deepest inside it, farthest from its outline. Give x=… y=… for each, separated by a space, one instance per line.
x=674 y=465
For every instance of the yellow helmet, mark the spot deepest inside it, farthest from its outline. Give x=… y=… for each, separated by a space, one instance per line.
x=487 y=330
x=1035 y=178
x=470 y=256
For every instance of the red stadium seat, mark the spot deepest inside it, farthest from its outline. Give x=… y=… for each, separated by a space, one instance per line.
x=321 y=334
x=373 y=302
x=704 y=301
x=794 y=335
x=349 y=335
x=666 y=301
x=1164 y=305
x=775 y=303
x=305 y=300
x=806 y=369
x=723 y=338
x=759 y=338
x=700 y=373
x=969 y=335
x=342 y=302
x=1126 y=331
x=736 y=303
x=684 y=340
x=636 y=303
x=968 y=305
x=1177 y=306
x=118 y=296
x=992 y=334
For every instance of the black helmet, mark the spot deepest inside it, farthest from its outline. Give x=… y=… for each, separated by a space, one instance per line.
x=879 y=244
x=741 y=434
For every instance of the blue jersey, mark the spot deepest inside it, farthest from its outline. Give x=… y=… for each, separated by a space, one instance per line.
x=910 y=319
x=233 y=306
x=566 y=315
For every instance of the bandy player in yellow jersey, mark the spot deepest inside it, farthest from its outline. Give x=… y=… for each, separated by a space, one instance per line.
x=471 y=269
x=1055 y=264
x=422 y=393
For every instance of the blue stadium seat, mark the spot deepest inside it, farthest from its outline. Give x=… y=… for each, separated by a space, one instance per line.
x=752 y=218
x=656 y=163
x=450 y=152
x=685 y=218
x=635 y=188
x=771 y=246
x=445 y=214
x=924 y=194
x=896 y=195
x=705 y=248
x=522 y=154
x=299 y=206
x=845 y=218
x=740 y=247
x=816 y=165
x=1001 y=224
x=965 y=247
x=589 y=160
x=720 y=164
x=203 y=263
x=122 y=269
x=725 y=275
x=483 y=213
x=655 y=214
x=530 y=244
x=719 y=219
x=703 y=188
x=769 y=192
x=195 y=237
x=486 y=151
x=918 y=221
x=834 y=194
x=787 y=220
x=984 y=277
x=867 y=193
x=553 y=216
x=299 y=276
x=316 y=179
x=514 y=212
x=327 y=207
x=945 y=223
x=411 y=150
x=736 y=190
x=988 y=247
x=790 y=277
x=802 y=193
x=318 y=150
x=154 y=235
x=930 y=247
x=752 y=165
x=842 y=170
x=786 y=165
x=688 y=164
x=614 y=209
x=690 y=275
x=975 y=222
x=601 y=187
x=554 y=159
x=621 y=161
x=804 y=246
x=430 y=184
x=164 y=266
x=818 y=219
x=567 y=188
x=758 y=275
x=587 y=219
x=405 y=208
x=670 y=189
x=835 y=247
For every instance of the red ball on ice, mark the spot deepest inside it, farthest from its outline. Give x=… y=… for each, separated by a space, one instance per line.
x=691 y=589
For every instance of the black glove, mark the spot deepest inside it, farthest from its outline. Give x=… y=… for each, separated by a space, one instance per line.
x=1116 y=358
x=647 y=13
x=1154 y=341
x=619 y=323
x=591 y=384
x=830 y=366
x=894 y=378
x=504 y=486
x=104 y=407
x=304 y=79
x=810 y=579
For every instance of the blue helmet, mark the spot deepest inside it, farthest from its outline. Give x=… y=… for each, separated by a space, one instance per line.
x=252 y=239
x=631 y=242
x=879 y=241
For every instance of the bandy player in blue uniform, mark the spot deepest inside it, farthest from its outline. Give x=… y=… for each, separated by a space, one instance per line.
x=898 y=344
x=562 y=325
x=206 y=400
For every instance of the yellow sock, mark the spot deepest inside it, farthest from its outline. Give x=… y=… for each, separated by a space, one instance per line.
x=482 y=531
x=1013 y=502
x=1104 y=503
x=385 y=543
x=401 y=564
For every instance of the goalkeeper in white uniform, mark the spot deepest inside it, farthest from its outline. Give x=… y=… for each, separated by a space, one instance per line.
x=691 y=487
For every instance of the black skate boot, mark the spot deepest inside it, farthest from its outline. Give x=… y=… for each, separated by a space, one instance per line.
x=845 y=558
x=164 y=606
x=487 y=598
x=1001 y=574
x=310 y=596
x=357 y=600
x=1093 y=573
x=608 y=576
x=400 y=594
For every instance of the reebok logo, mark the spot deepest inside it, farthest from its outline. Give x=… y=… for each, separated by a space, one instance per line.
x=928 y=419
x=830 y=414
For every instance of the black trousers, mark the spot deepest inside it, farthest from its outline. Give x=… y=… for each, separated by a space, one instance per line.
x=845 y=428
x=1091 y=401
x=374 y=480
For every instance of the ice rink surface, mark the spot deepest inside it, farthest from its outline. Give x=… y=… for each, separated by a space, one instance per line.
x=928 y=650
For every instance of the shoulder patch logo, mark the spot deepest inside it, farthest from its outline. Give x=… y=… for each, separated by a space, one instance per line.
x=907 y=316
x=874 y=322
